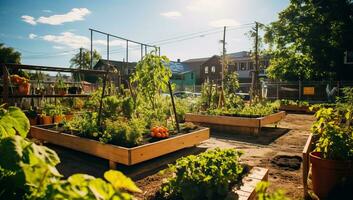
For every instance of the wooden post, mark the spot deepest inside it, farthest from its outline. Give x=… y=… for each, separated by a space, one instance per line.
x=173 y=104
x=101 y=99
x=5 y=89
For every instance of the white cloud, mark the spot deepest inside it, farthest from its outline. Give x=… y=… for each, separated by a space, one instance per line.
x=171 y=14
x=58 y=47
x=72 y=40
x=76 y=14
x=47 y=11
x=32 y=36
x=68 y=39
x=29 y=19
x=224 y=22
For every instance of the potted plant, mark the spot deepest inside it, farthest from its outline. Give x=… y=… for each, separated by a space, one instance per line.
x=32 y=115
x=23 y=85
x=68 y=115
x=58 y=114
x=47 y=114
x=332 y=159
x=60 y=86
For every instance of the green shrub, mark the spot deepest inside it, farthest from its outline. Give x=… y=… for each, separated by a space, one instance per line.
x=263 y=194
x=209 y=175
x=124 y=133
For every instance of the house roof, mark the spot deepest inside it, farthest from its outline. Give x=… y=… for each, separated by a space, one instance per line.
x=114 y=63
x=196 y=60
x=178 y=67
x=240 y=54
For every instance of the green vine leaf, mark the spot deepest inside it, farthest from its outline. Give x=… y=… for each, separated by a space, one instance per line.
x=13 y=121
x=120 y=181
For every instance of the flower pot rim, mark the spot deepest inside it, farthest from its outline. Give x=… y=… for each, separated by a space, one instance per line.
x=317 y=155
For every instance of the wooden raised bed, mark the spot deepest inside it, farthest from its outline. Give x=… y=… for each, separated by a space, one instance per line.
x=296 y=109
x=240 y=124
x=247 y=190
x=117 y=154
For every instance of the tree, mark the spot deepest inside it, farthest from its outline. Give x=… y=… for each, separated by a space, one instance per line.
x=309 y=40
x=82 y=60
x=9 y=55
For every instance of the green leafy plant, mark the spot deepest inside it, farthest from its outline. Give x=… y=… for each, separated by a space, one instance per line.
x=334 y=129
x=27 y=171
x=209 y=175
x=12 y=121
x=263 y=194
x=48 y=109
x=124 y=133
x=60 y=83
x=151 y=76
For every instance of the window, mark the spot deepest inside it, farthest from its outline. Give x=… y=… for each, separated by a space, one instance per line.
x=206 y=70
x=235 y=66
x=242 y=66
x=251 y=65
x=213 y=69
x=192 y=75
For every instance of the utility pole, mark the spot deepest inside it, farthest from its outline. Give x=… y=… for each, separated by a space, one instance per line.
x=81 y=60
x=221 y=97
x=255 y=75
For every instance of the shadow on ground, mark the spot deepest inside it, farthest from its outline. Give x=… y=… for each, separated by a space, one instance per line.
x=77 y=162
x=266 y=136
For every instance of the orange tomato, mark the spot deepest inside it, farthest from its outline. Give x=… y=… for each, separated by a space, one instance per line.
x=153 y=129
x=158 y=135
x=153 y=134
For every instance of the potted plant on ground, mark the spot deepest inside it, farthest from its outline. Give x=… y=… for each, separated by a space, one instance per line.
x=332 y=160
x=60 y=86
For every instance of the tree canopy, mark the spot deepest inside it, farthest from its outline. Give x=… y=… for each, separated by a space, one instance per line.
x=84 y=63
x=309 y=40
x=9 y=55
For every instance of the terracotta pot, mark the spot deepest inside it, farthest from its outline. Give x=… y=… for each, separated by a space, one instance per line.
x=328 y=174
x=62 y=92
x=58 y=119
x=47 y=120
x=23 y=89
x=68 y=117
x=33 y=121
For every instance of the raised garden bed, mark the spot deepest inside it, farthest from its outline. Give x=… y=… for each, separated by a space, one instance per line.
x=117 y=154
x=296 y=109
x=239 y=124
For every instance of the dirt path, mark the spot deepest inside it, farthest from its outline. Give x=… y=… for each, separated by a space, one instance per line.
x=288 y=139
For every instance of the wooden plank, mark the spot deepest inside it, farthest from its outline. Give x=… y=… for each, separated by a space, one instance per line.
x=156 y=149
x=273 y=118
x=232 y=129
x=116 y=154
x=222 y=120
x=106 y=151
x=309 y=146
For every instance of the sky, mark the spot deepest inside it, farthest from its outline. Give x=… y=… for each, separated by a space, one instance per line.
x=50 y=32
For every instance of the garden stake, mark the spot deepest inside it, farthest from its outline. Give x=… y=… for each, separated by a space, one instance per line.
x=101 y=99
x=174 y=109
